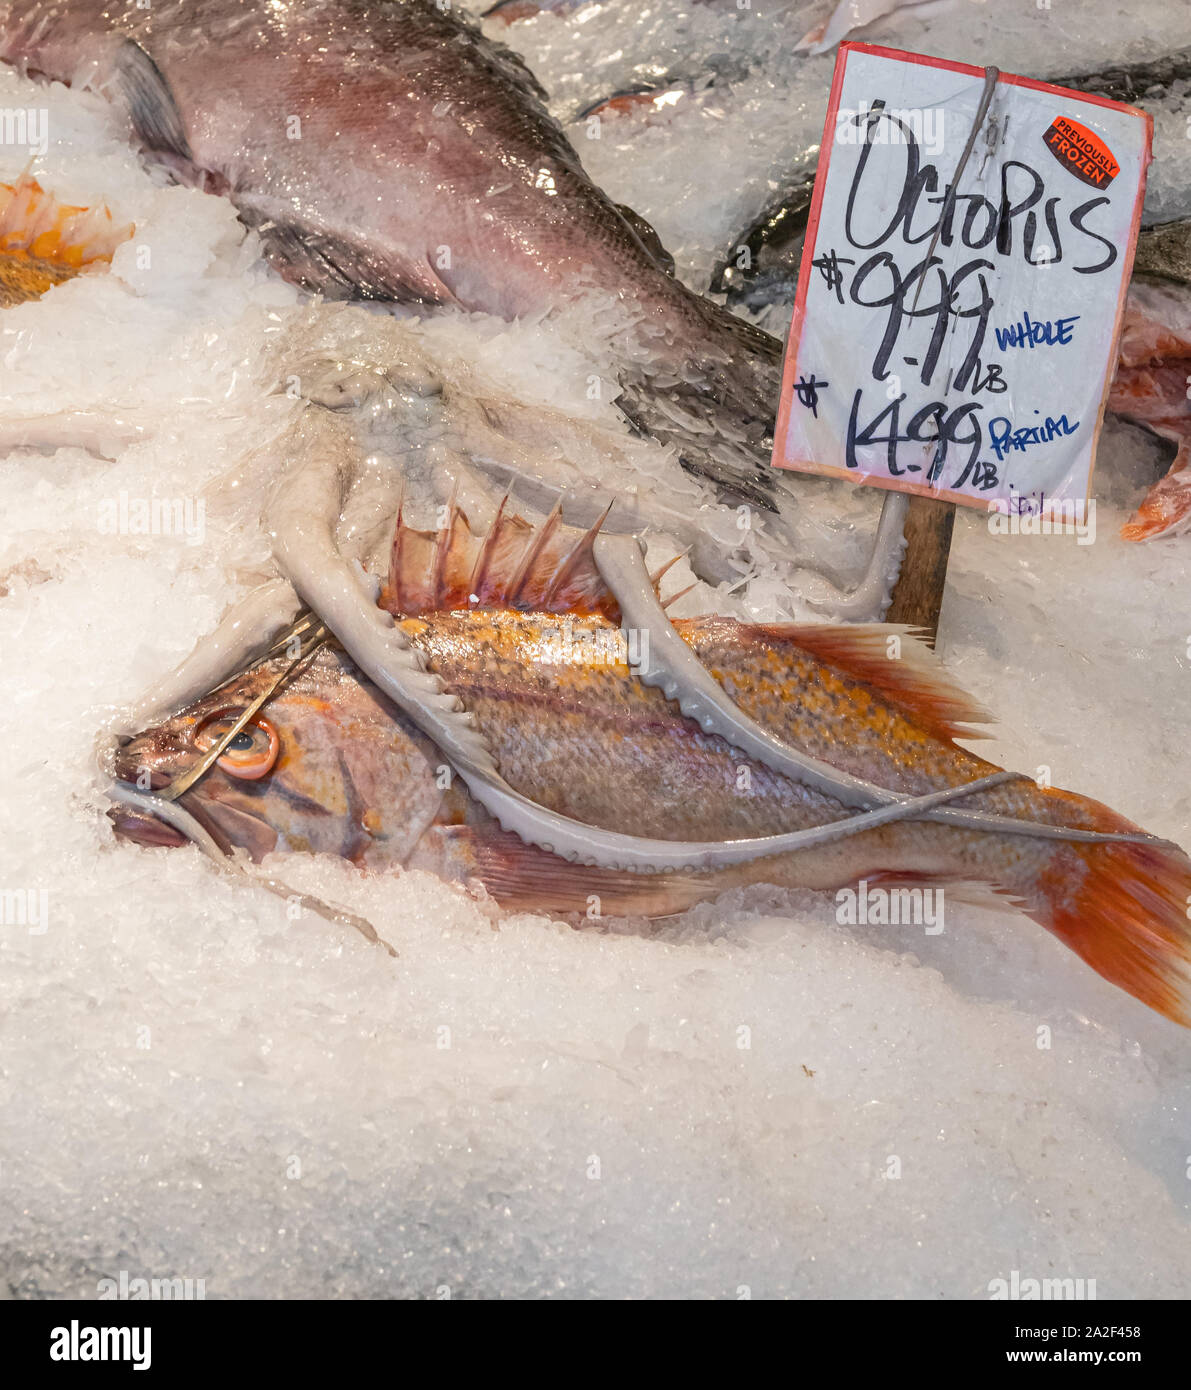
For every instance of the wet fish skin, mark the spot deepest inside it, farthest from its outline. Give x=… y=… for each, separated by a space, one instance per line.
x=588 y=739
x=29 y=278
x=425 y=168
x=584 y=738
x=1150 y=388
x=408 y=99
x=1133 y=83
x=1164 y=250
x=762 y=267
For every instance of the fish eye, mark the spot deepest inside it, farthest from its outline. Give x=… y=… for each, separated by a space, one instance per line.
x=253 y=751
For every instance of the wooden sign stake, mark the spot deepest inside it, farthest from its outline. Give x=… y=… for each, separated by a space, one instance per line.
x=918 y=593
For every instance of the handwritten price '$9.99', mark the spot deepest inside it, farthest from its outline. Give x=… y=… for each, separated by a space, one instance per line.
x=878 y=283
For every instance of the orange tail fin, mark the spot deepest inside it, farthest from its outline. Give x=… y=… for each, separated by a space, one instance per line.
x=1126 y=909
x=1166 y=508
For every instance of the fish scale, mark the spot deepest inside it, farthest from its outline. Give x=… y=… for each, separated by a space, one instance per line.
x=589 y=741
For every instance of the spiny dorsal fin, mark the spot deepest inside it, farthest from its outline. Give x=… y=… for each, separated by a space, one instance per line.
x=547 y=568
x=914 y=679
x=528 y=578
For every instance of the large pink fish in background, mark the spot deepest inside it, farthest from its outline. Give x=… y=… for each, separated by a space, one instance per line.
x=390 y=151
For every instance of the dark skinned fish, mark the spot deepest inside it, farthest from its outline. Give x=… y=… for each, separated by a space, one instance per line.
x=761 y=268
x=1136 y=84
x=393 y=152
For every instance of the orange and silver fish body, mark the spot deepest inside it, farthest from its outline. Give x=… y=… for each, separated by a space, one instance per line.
x=521 y=633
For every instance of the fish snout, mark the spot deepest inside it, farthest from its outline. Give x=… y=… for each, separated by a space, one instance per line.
x=142 y=764
x=135 y=763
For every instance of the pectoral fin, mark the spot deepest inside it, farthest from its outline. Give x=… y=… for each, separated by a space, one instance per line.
x=151 y=104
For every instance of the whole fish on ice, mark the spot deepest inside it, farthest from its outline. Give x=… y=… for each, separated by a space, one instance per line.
x=393 y=152
x=304 y=754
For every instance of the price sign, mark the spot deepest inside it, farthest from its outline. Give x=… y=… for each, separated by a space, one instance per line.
x=962 y=282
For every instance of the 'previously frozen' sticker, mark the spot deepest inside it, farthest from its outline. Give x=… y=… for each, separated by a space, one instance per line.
x=962 y=281
x=1082 y=151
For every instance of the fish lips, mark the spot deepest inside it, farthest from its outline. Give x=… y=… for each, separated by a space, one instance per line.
x=140 y=828
x=135 y=824
x=131 y=823
x=227 y=825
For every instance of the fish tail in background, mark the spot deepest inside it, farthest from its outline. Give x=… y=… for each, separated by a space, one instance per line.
x=1124 y=908
x=1166 y=508
x=717 y=405
x=1151 y=383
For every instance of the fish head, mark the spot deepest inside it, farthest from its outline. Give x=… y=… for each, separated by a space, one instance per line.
x=327 y=765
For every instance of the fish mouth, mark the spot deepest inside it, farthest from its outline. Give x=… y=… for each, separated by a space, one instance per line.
x=140 y=828
x=216 y=827
x=140 y=817
x=131 y=817
x=127 y=764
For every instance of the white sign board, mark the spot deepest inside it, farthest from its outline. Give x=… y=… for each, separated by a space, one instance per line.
x=956 y=336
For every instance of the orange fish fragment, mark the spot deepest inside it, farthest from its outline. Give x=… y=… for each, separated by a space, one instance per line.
x=44 y=242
